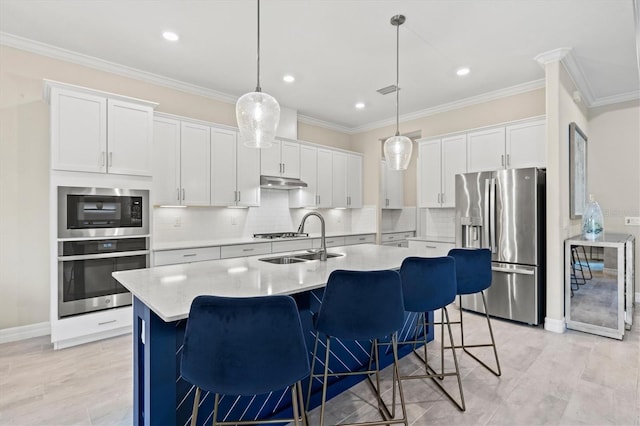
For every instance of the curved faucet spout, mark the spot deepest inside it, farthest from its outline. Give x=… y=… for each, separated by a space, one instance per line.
x=323 y=241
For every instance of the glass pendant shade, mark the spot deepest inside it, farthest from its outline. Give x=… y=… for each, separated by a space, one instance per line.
x=397 y=152
x=258 y=114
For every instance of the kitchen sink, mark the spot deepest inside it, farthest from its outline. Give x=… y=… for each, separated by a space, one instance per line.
x=297 y=258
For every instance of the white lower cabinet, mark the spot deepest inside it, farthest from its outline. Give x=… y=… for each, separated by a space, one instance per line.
x=291 y=245
x=397 y=239
x=432 y=248
x=172 y=257
x=243 y=250
x=351 y=240
x=330 y=241
x=89 y=327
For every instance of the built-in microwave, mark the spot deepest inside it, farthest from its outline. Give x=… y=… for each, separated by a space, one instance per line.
x=102 y=212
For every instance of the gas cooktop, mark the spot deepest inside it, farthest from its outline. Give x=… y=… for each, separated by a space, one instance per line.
x=272 y=235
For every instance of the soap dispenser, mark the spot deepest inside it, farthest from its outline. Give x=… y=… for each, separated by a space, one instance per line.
x=592 y=222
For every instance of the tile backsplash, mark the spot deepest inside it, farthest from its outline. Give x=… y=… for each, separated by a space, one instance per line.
x=398 y=220
x=273 y=215
x=437 y=222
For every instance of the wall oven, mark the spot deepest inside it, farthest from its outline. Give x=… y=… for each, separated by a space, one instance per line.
x=100 y=231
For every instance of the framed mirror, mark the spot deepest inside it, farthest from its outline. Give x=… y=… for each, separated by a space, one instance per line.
x=577 y=171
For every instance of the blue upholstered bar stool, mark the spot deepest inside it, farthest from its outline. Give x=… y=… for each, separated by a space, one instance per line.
x=429 y=284
x=473 y=275
x=362 y=305
x=245 y=346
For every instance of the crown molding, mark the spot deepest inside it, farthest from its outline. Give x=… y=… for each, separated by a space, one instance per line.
x=554 y=55
x=50 y=51
x=616 y=99
x=577 y=75
x=473 y=100
x=325 y=124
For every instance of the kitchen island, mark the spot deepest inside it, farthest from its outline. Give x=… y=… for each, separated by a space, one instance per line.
x=161 y=300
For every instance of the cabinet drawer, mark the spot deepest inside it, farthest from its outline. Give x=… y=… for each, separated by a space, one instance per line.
x=331 y=242
x=396 y=236
x=280 y=246
x=359 y=239
x=243 y=250
x=92 y=323
x=172 y=257
x=432 y=248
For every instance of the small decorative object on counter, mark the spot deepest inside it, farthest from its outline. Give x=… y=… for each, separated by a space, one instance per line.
x=592 y=222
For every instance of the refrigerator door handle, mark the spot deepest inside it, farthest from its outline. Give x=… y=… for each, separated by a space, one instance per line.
x=513 y=270
x=486 y=224
x=492 y=214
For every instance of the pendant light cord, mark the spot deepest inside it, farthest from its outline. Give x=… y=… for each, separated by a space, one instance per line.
x=258 y=89
x=397 y=79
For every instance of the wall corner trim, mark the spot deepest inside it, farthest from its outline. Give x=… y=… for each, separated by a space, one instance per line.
x=555 y=325
x=14 y=334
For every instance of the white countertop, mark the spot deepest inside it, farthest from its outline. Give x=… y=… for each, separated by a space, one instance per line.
x=243 y=240
x=169 y=290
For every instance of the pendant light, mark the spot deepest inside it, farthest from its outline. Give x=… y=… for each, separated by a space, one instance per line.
x=397 y=149
x=257 y=112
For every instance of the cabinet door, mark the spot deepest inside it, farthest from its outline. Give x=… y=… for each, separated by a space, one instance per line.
x=395 y=188
x=270 y=164
x=454 y=161
x=78 y=131
x=129 y=138
x=324 y=181
x=223 y=167
x=527 y=144
x=166 y=161
x=485 y=150
x=290 y=158
x=248 y=176
x=339 y=182
x=354 y=181
x=306 y=197
x=195 y=164
x=429 y=173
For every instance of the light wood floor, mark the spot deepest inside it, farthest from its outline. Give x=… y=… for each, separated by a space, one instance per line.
x=570 y=379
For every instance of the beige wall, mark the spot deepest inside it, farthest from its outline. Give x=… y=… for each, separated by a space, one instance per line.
x=24 y=166
x=613 y=159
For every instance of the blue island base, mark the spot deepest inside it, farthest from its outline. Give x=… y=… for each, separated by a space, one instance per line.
x=163 y=397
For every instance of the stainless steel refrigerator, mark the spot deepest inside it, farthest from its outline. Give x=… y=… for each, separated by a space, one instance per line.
x=504 y=211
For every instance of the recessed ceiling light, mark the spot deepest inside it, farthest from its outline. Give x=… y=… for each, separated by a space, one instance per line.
x=360 y=105
x=289 y=78
x=463 y=71
x=170 y=35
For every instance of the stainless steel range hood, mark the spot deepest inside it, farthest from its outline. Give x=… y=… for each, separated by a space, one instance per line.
x=277 y=182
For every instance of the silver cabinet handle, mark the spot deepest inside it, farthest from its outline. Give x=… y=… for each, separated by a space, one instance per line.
x=178 y=194
x=502 y=160
x=235 y=196
x=183 y=194
x=239 y=196
x=102 y=158
x=361 y=239
x=106 y=322
x=110 y=162
x=247 y=249
x=190 y=255
x=442 y=197
x=508 y=160
x=431 y=247
x=438 y=198
x=283 y=168
x=318 y=200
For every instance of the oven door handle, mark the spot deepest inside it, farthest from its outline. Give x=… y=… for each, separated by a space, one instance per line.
x=103 y=255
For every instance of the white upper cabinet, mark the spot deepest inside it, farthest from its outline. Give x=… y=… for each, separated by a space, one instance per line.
x=98 y=132
x=195 y=164
x=439 y=160
x=354 y=181
x=526 y=144
x=339 y=182
x=485 y=150
x=306 y=197
x=324 y=182
x=392 y=188
x=166 y=161
x=181 y=163
x=235 y=171
x=517 y=145
x=282 y=159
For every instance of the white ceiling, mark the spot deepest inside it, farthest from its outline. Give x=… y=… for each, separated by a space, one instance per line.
x=342 y=51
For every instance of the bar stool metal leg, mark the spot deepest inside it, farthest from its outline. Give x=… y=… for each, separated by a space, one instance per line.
x=196 y=406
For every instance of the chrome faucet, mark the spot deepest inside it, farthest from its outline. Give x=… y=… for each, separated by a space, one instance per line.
x=323 y=242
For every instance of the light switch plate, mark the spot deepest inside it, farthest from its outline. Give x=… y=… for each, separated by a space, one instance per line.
x=633 y=221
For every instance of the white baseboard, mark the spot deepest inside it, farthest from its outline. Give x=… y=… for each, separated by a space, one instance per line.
x=25 y=332
x=554 y=325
